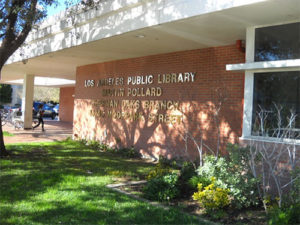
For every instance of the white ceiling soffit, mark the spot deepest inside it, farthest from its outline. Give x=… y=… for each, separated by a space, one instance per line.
x=131 y=28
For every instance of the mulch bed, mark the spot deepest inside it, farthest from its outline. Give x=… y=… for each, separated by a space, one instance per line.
x=251 y=216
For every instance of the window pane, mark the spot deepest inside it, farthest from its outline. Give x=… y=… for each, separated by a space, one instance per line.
x=277 y=42
x=276 y=98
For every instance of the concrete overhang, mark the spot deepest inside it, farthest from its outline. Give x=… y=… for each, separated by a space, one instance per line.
x=121 y=29
x=291 y=64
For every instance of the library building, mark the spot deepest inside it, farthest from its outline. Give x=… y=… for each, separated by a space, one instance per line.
x=170 y=77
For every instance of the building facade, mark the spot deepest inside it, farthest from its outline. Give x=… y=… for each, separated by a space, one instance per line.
x=165 y=76
x=152 y=102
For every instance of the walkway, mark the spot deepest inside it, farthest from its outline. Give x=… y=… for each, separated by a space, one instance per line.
x=54 y=131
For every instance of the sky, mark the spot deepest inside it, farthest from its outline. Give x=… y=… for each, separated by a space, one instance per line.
x=52 y=10
x=56 y=9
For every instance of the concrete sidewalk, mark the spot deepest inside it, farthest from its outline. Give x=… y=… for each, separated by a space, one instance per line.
x=54 y=131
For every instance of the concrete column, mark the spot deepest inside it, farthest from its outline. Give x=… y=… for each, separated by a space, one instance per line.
x=27 y=100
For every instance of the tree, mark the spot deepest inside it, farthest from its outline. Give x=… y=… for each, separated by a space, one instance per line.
x=5 y=93
x=46 y=94
x=17 y=18
x=276 y=164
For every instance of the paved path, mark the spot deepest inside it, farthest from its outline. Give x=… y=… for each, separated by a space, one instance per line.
x=54 y=131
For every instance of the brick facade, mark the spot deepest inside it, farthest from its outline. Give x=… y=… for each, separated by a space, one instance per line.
x=66 y=104
x=186 y=103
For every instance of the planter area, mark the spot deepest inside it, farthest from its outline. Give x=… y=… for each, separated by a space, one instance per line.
x=223 y=189
x=251 y=216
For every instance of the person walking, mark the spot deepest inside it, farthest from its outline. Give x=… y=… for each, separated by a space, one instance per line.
x=40 y=115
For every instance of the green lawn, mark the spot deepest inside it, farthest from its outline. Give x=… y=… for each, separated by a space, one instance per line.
x=64 y=183
x=5 y=133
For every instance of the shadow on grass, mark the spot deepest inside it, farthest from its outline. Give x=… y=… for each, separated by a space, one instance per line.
x=114 y=209
x=64 y=183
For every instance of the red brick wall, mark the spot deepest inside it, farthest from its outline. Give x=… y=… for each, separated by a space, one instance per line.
x=66 y=104
x=198 y=102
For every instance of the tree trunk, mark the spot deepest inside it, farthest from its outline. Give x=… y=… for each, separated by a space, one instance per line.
x=3 y=151
x=14 y=31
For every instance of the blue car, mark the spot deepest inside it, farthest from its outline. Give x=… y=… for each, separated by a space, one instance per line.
x=48 y=110
x=56 y=109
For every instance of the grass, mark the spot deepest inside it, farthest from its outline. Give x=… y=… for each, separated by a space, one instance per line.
x=64 y=183
x=7 y=134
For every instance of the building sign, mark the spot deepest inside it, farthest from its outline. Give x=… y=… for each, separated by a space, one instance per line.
x=129 y=98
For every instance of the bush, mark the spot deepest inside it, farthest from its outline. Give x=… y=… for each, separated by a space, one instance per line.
x=212 y=197
x=162 y=188
x=294 y=193
x=5 y=93
x=163 y=167
x=93 y=144
x=169 y=184
x=285 y=215
x=129 y=152
x=187 y=171
x=195 y=180
x=158 y=171
x=240 y=180
x=233 y=174
x=124 y=152
x=104 y=147
x=164 y=162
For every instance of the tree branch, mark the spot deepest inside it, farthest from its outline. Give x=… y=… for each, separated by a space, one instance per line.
x=11 y=42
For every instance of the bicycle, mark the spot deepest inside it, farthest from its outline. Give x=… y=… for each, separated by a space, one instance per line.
x=13 y=118
x=3 y=118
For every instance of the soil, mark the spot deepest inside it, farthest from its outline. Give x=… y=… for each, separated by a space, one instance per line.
x=250 y=216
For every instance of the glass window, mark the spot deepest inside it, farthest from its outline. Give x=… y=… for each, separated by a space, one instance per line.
x=276 y=98
x=277 y=42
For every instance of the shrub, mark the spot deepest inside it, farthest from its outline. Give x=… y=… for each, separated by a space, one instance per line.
x=285 y=215
x=233 y=174
x=195 y=180
x=294 y=193
x=289 y=212
x=164 y=162
x=162 y=188
x=106 y=148
x=5 y=93
x=82 y=141
x=129 y=152
x=212 y=197
x=93 y=144
x=163 y=167
x=240 y=180
x=187 y=171
x=158 y=171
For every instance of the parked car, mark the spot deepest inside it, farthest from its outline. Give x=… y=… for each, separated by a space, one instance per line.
x=48 y=110
x=56 y=109
x=7 y=108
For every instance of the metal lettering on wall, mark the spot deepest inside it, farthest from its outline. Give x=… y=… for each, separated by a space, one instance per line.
x=132 y=109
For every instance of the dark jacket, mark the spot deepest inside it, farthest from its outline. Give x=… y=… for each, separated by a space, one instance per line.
x=40 y=113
